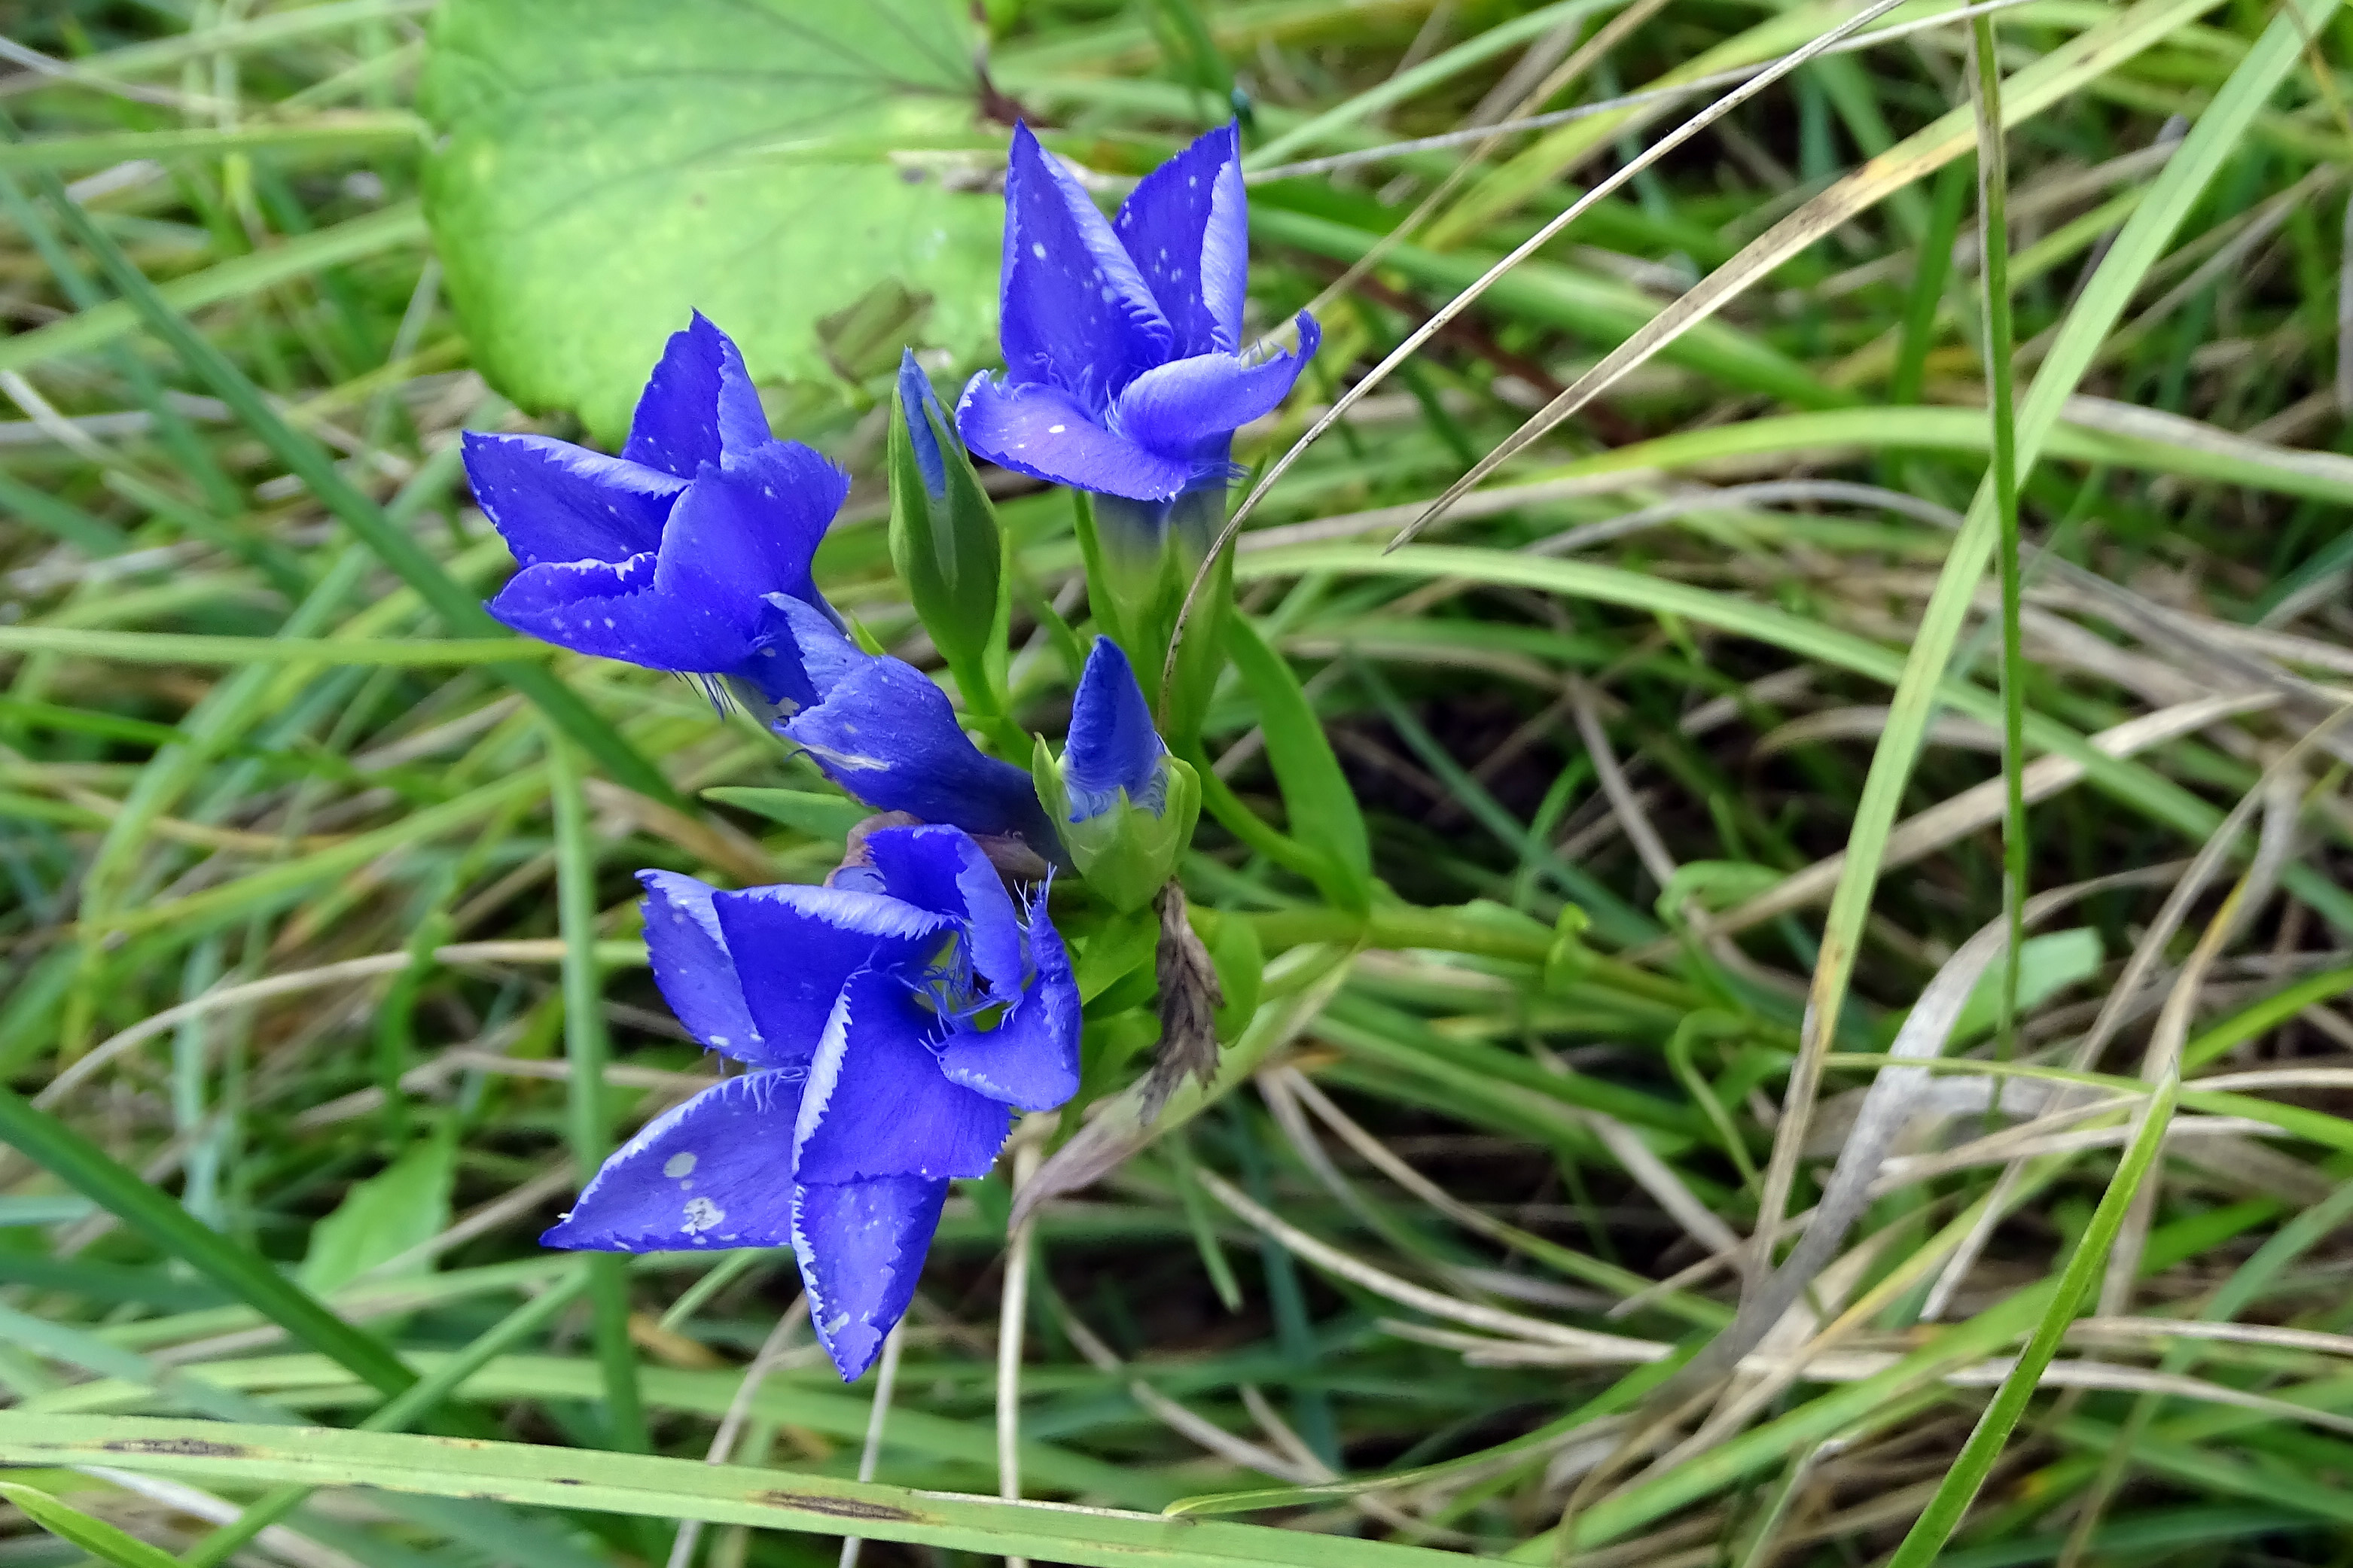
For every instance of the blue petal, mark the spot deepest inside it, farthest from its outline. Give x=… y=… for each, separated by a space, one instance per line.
x=861 y=1246
x=1188 y=226
x=614 y=610
x=738 y=537
x=796 y=947
x=943 y=870
x=693 y=968
x=699 y=406
x=554 y=502
x=917 y=405
x=888 y=736
x=715 y=1171
x=819 y=646
x=1075 y=312
x=1031 y=1058
x=877 y=1104
x=1038 y=430
x=1112 y=745
x=749 y=530
x=1181 y=406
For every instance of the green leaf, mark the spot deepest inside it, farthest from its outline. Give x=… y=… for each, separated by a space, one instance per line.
x=2046 y=967
x=815 y=814
x=95 y=1536
x=1315 y=794
x=402 y=1205
x=1121 y=945
x=732 y=156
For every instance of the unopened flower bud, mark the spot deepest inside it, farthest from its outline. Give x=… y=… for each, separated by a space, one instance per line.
x=1124 y=807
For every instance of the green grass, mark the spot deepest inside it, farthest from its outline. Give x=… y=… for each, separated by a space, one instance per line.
x=310 y=868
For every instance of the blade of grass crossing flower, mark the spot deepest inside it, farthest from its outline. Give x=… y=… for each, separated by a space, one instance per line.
x=1421 y=78
x=400 y=1411
x=95 y=1536
x=1993 y=245
x=455 y=604
x=2066 y=70
x=82 y=1165
x=1463 y=300
x=2211 y=142
x=1959 y=1487
x=585 y=1050
x=654 y=1486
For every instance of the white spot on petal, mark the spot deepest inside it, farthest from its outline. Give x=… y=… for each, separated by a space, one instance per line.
x=678 y=1166
x=1056 y=429
x=1038 y=249
x=701 y=1214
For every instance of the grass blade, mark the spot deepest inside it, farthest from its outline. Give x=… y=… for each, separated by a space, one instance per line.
x=175 y=647
x=95 y=1536
x=392 y=544
x=585 y=1047
x=657 y=1488
x=1993 y=247
x=2064 y=70
x=400 y=1411
x=84 y=1166
x=1959 y=1487
x=2211 y=140
x=393 y=226
x=2160 y=797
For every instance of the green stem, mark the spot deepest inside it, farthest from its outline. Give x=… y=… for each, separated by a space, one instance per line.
x=583 y=1049
x=1993 y=249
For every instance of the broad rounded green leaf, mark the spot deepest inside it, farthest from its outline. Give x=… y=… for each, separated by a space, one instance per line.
x=607 y=166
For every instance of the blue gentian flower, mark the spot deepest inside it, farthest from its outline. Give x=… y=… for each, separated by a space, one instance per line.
x=1125 y=367
x=1112 y=748
x=677 y=553
x=890 y=1023
x=881 y=730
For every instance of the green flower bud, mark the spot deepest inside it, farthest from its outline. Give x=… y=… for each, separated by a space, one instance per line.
x=945 y=542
